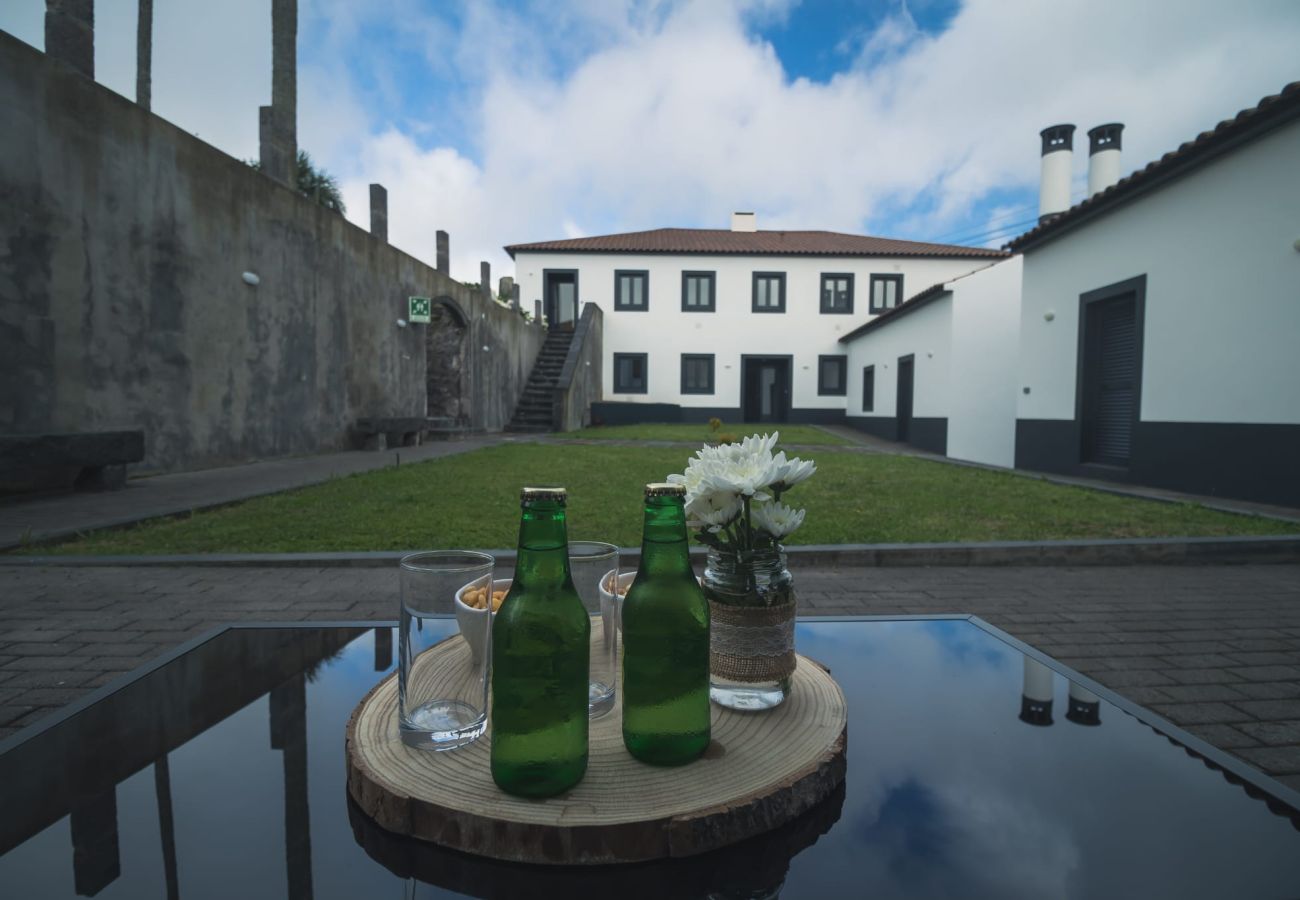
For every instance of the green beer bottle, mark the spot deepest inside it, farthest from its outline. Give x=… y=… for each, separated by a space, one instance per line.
x=665 y=641
x=540 y=650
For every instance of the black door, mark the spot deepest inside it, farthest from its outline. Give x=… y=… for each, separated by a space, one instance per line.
x=1110 y=380
x=765 y=389
x=904 y=409
x=560 y=298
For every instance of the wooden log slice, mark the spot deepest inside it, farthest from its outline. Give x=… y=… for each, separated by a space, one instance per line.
x=760 y=771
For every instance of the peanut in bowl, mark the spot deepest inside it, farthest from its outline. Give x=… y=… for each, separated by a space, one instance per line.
x=471 y=605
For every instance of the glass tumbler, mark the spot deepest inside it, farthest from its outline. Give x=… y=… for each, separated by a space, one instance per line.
x=443 y=694
x=593 y=563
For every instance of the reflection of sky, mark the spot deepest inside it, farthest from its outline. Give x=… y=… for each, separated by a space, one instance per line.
x=949 y=794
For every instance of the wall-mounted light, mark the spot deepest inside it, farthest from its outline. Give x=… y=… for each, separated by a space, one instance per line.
x=1049 y=315
x=486 y=348
x=250 y=278
x=401 y=323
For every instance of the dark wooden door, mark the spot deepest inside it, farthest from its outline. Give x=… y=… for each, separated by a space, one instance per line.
x=904 y=410
x=1110 y=369
x=765 y=389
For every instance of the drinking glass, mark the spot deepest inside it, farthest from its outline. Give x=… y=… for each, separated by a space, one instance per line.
x=592 y=563
x=442 y=696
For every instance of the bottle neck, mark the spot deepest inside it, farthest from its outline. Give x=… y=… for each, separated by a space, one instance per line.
x=664 y=546
x=543 y=557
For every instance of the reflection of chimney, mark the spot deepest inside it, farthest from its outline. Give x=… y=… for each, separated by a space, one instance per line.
x=1054 y=187
x=1036 y=697
x=744 y=221
x=1103 y=156
x=1085 y=707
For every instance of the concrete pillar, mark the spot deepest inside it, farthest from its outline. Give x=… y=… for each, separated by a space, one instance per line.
x=162 y=780
x=444 y=253
x=514 y=296
x=485 y=279
x=270 y=153
x=383 y=649
x=96 y=862
x=505 y=286
x=379 y=212
x=537 y=313
x=284 y=77
x=144 y=54
x=70 y=33
x=288 y=703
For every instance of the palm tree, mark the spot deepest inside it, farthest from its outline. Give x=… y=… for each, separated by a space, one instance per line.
x=315 y=183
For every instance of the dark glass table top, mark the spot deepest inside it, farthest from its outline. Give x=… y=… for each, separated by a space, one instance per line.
x=219 y=772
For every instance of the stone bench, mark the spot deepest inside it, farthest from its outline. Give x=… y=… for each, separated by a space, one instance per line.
x=380 y=433
x=91 y=461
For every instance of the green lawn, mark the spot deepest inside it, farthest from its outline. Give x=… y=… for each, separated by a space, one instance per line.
x=790 y=434
x=471 y=500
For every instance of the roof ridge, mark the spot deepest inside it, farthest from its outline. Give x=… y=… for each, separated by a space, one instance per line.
x=1186 y=156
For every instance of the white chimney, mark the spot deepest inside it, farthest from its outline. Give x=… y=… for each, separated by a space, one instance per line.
x=744 y=221
x=1103 y=156
x=1054 y=188
x=1036 y=695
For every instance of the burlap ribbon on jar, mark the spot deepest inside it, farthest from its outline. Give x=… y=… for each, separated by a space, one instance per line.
x=751 y=643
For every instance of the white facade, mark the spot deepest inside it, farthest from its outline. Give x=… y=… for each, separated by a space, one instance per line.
x=986 y=336
x=1222 y=304
x=964 y=345
x=926 y=335
x=664 y=331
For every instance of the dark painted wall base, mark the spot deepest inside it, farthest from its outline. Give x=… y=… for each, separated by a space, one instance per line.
x=608 y=412
x=927 y=433
x=1217 y=459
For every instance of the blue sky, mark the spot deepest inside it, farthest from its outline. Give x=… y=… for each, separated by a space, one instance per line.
x=529 y=120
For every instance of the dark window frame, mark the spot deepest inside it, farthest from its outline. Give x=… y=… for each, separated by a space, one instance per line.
x=843 y=361
x=645 y=373
x=753 y=297
x=828 y=308
x=712 y=382
x=871 y=292
x=869 y=388
x=712 y=278
x=644 y=275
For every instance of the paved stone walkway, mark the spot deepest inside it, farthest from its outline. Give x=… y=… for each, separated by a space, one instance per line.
x=1215 y=649
x=64 y=515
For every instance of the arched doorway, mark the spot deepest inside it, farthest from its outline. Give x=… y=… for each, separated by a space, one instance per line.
x=446 y=357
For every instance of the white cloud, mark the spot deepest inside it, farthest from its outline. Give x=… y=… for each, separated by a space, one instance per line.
x=683 y=119
x=599 y=116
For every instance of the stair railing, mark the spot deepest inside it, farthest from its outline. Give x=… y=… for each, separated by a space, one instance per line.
x=580 y=378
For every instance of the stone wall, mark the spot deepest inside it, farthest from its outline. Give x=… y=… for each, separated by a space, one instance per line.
x=124 y=243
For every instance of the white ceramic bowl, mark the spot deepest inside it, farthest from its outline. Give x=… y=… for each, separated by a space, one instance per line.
x=608 y=601
x=470 y=620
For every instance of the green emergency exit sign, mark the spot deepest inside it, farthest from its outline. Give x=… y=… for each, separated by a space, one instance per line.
x=419 y=309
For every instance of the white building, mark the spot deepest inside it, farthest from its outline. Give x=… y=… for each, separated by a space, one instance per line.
x=938 y=371
x=741 y=324
x=1160 y=319
x=1148 y=334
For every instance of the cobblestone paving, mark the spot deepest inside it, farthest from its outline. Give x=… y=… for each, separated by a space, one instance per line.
x=1215 y=649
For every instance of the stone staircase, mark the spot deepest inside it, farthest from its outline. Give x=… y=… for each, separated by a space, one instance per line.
x=534 y=412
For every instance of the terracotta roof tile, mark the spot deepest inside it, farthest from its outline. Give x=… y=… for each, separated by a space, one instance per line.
x=752 y=243
x=1270 y=111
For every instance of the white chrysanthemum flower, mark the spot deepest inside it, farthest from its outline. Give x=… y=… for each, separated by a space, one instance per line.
x=713 y=510
x=776 y=519
x=792 y=471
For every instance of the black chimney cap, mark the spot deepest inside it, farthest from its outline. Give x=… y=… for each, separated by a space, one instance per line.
x=1057 y=137
x=1105 y=137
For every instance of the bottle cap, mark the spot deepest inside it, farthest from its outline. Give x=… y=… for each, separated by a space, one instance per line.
x=544 y=492
x=665 y=489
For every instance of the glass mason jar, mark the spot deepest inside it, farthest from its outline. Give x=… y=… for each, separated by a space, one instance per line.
x=751 y=639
